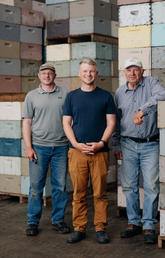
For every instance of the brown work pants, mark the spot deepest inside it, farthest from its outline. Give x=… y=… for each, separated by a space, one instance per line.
x=80 y=165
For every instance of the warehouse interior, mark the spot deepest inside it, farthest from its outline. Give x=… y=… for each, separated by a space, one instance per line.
x=62 y=32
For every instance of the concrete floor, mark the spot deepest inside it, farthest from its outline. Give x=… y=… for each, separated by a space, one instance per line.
x=49 y=244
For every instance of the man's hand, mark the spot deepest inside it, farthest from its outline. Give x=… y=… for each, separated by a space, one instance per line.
x=118 y=155
x=95 y=146
x=84 y=148
x=138 y=118
x=89 y=148
x=30 y=153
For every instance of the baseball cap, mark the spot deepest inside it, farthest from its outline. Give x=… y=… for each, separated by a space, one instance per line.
x=132 y=62
x=47 y=66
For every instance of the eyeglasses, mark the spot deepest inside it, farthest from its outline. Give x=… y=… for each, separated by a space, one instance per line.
x=49 y=73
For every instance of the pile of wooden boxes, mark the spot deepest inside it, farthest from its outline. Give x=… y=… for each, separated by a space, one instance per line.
x=84 y=28
x=20 y=57
x=141 y=35
x=161 y=125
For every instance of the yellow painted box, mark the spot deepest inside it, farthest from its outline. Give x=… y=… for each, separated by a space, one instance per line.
x=135 y=36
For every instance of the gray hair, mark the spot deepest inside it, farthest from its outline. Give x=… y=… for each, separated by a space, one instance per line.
x=88 y=60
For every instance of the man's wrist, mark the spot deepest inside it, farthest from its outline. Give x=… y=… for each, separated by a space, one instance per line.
x=103 y=142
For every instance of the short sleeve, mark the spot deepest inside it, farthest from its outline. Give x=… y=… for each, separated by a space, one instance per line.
x=28 y=111
x=110 y=107
x=67 y=111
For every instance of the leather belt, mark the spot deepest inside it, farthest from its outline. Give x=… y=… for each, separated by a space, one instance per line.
x=142 y=140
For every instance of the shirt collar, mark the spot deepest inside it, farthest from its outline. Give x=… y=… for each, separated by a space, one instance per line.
x=141 y=83
x=40 y=90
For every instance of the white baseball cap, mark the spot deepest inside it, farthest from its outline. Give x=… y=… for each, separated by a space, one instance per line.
x=132 y=62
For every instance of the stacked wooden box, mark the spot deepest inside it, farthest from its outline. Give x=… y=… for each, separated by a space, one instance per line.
x=20 y=47
x=84 y=28
x=161 y=126
x=158 y=41
x=20 y=58
x=141 y=35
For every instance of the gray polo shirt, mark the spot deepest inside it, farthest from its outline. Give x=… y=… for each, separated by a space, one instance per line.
x=46 y=108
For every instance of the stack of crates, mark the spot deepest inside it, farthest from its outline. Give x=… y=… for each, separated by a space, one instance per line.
x=158 y=41
x=134 y=34
x=20 y=46
x=83 y=28
x=161 y=126
x=141 y=36
x=20 y=57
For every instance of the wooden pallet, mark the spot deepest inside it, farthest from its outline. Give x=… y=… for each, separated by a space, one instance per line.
x=82 y=38
x=160 y=241
x=22 y=197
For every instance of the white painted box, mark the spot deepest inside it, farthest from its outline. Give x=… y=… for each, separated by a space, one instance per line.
x=162 y=222
x=58 y=52
x=14 y=165
x=162 y=169
x=162 y=141
x=161 y=114
x=158 y=11
x=162 y=196
x=143 y=54
x=11 y=110
x=135 y=14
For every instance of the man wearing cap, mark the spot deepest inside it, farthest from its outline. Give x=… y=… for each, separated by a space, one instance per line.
x=46 y=144
x=136 y=142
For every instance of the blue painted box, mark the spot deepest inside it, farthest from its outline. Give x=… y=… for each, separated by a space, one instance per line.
x=158 y=35
x=10 y=147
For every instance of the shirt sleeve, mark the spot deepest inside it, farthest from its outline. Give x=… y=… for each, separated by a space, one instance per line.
x=116 y=134
x=28 y=111
x=67 y=110
x=157 y=94
x=111 y=108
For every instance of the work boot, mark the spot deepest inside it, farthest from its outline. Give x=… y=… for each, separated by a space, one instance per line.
x=32 y=230
x=102 y=237
x=150 y=236
x=131 y=231
x=61 y=227
x=76 y=236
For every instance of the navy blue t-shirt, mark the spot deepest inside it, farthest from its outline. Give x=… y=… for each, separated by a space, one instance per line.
x=88 y=111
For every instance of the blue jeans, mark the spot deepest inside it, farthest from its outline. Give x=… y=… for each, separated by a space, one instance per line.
x=144 y=156
x=57 y=157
